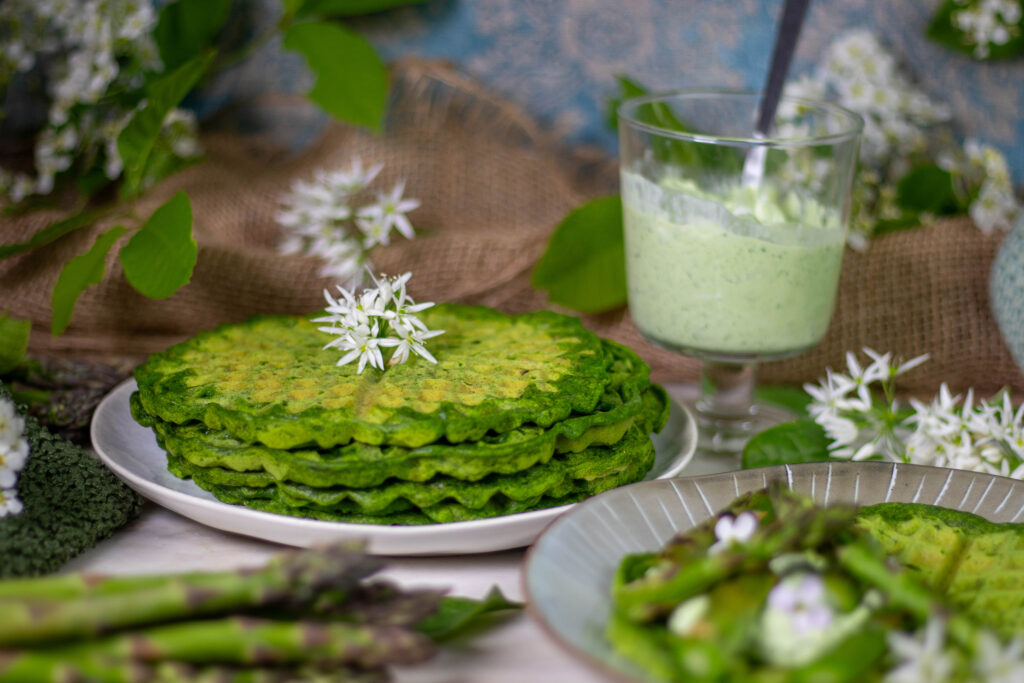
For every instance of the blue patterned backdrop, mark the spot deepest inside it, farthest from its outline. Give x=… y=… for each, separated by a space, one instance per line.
x=558 y=58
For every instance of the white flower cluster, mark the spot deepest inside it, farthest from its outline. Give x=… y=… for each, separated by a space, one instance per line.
x=987 y=22
x=380 y=317
x=926 y=656
x=951 y=431
x=13 y=453
x=984 y=167
x=322 y=221
x=91 y=56
x=983 y=437
x=844 y=406
x=899 y=123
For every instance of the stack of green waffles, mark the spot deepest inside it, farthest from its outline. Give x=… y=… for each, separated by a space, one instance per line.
x=519 y=413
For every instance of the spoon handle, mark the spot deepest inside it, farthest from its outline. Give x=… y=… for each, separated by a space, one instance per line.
x=786 y=37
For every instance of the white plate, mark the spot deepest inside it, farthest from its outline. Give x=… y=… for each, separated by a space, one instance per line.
x=131 y=451
x=568 y=572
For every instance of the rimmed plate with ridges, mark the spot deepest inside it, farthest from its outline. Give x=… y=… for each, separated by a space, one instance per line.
x=132 y=453
x=568 y=572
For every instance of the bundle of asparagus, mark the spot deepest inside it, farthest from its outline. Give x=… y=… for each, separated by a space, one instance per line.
x=306 y=615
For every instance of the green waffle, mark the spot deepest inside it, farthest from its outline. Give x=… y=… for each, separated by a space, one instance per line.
x=629 y=399
x=447 y=510
x=270 y=381
x=978 y=565
x=558 y=477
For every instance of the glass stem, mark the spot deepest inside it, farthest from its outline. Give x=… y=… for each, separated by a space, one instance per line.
x=725 y=410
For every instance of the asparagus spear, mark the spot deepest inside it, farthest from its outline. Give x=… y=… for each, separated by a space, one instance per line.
x=648 y=597
x=292 y=578
x=239 y=641
x=47 y=670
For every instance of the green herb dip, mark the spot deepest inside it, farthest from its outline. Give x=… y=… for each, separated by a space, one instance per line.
x=743 y=271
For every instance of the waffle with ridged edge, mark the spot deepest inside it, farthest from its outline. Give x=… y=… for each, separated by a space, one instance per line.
x=268 y=380
x=448 y=510
x=628 y=396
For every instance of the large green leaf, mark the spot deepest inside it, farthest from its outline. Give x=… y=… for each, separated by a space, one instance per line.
x=135 y=143
x=159 y=258
x=928 y=188
x=77 y=274
x=51 y=232
x=186 y=28
x=13 y=341
x=584 y=266
x=351 y=81
x=350 y=8
x=793 y=399
x=802 y=440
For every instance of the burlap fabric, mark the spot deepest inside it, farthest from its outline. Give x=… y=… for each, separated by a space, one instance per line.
x=492 y=186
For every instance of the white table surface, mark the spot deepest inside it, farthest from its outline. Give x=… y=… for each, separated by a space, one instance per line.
x=513 y=650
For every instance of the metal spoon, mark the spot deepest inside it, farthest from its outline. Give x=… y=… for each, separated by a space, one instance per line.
x=786 y=37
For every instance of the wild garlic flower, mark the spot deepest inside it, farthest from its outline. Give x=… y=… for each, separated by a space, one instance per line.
x=922 y=656
x=981 y=170
x=84 y=53
x=862 y=418
x=379 y=318
x=994 y=662
x=13 y=454
x=322 y=220
x=861 y=424
x=899 y=133
x=986 y=23
x=732 y=531
x=959 y=432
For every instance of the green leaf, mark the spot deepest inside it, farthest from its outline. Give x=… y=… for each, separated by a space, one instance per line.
x=455 y=614
x=186 y=28
x=584 y=266
x=135 y=143
x=351 y=81
x=159 y=258
x=676 y=152
x=349 y=8
x=792 y=399
x=52 y=232
x=627 y=88
x=944 y=31
x=13 y=341
x=77 y=274
x=928 y=189
x=803 y=440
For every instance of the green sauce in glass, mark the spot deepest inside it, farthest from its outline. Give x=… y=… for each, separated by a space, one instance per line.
x=742 y=271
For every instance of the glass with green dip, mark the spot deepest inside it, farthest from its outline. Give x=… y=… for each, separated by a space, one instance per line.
x=734 y=242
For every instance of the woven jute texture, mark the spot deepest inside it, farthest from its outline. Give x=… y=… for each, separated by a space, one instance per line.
x=492 y=186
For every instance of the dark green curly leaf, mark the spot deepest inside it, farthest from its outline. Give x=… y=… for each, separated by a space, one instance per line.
x=351 y=81
x=803 y=440
x=159 y=258
x=77 y=274
x=584 y=266
x=349 y=8
x=51 y=233
x=186 y=28
x=13 y=341
x=135 y=143
x=456 y=614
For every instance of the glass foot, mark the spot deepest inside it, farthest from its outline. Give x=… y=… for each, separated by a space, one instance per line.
x=726 y=435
